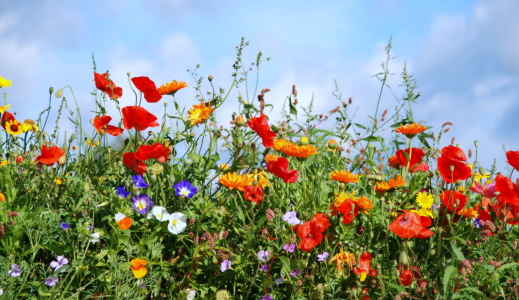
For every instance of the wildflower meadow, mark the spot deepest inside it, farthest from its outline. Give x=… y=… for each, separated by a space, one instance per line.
x=309 y=204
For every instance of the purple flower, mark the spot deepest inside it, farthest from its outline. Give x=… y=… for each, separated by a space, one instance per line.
x=58 y=263
x=267 y=297
x=139 y=182
x=121 y=192
x=477 y=223
x=142 y=203
x=263 y=255
x=295 y=273
x=64 y=225
x=15 y=271
x=51 y=281
x=225 y=265
x=264 y=267
x=185 y=189
x=323 y=257
x=289 y=248
x=291 y=218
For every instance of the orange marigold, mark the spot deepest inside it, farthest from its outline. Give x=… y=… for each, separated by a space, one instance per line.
x=341 y=258
x=199 y=113
x=234 y=180
x=382 y=187
x=171 y=88
x=271 y=157
x=364 y=204
x=410 y=130
x=344 y=176
x=394 y=162
x=300 y=151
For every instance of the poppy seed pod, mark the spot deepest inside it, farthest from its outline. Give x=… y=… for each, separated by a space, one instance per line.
x=59 y=93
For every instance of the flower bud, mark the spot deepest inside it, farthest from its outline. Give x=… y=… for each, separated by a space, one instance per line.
x=304 y=140
x=332 y=144
x=51 y=90
x=210 y=78
x=63 y=160
x=59 y=93
x=240 y=121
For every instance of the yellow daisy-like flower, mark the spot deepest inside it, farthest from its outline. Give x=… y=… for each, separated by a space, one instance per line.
x=224 y=166
x=280 y=143
x=58 y=181
x=171 y=88
x=3 y=163
x=344 y=176
x=424 y=212
x=424 y=200
x=199 y=113
x=138 y=267
x=410 y=130
x=342 y=197
x=13 y=127
x=341 y=258
x=4 y=82
x=4 y=108
x=260 y=177
x=234 y=180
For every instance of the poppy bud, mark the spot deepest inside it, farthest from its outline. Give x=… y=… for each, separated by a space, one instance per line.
x=153 y=177
x=172 y=178
x=63 y=160
x=150 y=133
x=126 y=141
x=332 y=144
x=187 y=162
x=86 y=187
x=51 y=90
x=59 y=93
x=210 y=78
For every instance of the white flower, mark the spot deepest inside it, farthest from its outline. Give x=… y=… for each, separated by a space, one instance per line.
x=119 y=216
x=95 y=237
x=176 y=223
x=160 y=213
x=191 y=294
x=1 y=291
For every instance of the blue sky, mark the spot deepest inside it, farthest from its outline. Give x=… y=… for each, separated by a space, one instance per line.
x=463 y=54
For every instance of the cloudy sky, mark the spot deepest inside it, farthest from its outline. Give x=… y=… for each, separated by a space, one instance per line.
x=464 y=54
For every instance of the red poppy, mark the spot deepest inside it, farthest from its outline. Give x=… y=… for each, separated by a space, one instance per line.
x=104 y=84
x=406 y=277
x=133 y=163
x=410 y=224
x=157 y=151
x=310 y=235
x=452 y=170
x=364 y=268
x=321 y=220
x=138 y=117
x=261 y=126
x=513 y=159
x=253 y=193
x=454 y=152
x=102 y=124
x=6 y=117
x=454 y=201
x=508 y=191
x=415 y=164
x=279 y=167
x=349 y=210
x=49 y=156
x=148 y=88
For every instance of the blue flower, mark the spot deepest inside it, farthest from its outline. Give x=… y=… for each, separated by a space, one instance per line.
x=121 y=192
x=477 y=223
x=185 y=189
x=15 y=271
x=225 y=265
x=64 y=225
x=139 y=182
x=323 y=257
x=51 y=281
x=142 y=203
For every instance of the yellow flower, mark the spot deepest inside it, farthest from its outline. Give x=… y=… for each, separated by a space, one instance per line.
x=3 y=163
x=280 y=143
x=58 y=181
x=224 y=166
x=234 y=180
x=4 y=108
x=468 y=213
x=341 y=258
x=199 y=113
x=138 y=267
x=424 y=200
x=2 y=197
x=171 y=88
x=424 y=212
x=4 y=82
x=260 y=177
x=344 y=176
x=13 y=127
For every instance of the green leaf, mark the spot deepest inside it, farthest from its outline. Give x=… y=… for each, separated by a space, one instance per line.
x=450 y=272
x=285 y=262
x=372 y=139
x=457 y=252
x=293 y=109
x=360 y=126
